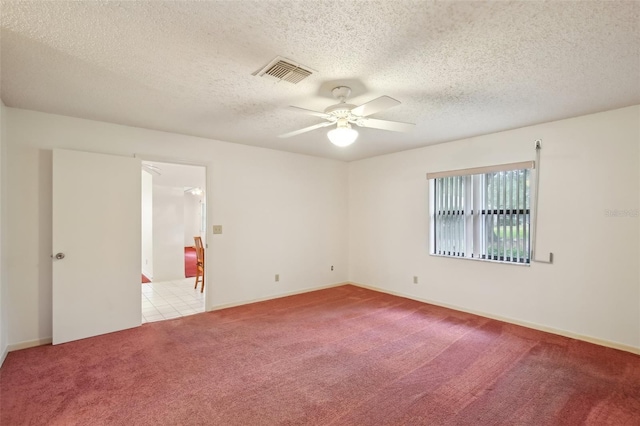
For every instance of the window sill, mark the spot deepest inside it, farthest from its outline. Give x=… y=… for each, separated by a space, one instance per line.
x=480 y=260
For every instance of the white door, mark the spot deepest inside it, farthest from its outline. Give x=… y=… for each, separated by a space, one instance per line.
x=96 y=244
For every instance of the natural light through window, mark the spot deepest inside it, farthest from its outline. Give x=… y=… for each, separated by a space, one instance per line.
x=484 y=216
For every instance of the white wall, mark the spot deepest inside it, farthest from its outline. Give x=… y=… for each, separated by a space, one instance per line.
x=168 y=233
x=290 y=214
x=281 y=213
x=589 y=164
x=4 y=331
x=192 y=218
x=147 y=224
x=177 y=174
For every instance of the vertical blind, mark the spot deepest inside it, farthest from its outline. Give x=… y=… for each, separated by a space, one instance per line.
x=506 y=216
x=450 y=230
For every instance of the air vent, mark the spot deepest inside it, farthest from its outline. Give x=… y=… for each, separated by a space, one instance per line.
x=282 y=69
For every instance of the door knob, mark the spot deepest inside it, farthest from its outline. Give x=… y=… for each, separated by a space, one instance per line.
x=59 y=256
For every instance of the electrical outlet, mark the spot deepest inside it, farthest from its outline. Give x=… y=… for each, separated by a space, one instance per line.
x=217 y=229
x=277 y=277
x=332 y=267
x=415 y=279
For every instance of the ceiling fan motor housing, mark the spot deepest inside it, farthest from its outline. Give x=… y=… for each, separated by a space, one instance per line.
x=341 y=110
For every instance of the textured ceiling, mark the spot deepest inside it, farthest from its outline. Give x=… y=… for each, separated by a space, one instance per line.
x=459 y=68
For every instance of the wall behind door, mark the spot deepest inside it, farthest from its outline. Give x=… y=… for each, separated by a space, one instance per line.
x=192 y=218
x=147 y=224
x=168 y=233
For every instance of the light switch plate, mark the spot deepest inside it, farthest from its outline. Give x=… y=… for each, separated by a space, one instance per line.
x=217 y=229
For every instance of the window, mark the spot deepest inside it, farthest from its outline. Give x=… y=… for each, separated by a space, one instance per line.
x=482 y=215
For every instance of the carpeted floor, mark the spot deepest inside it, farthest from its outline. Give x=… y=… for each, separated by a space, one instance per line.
x=341 y=356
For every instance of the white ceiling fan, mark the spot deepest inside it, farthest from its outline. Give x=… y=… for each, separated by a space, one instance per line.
x=343 y=115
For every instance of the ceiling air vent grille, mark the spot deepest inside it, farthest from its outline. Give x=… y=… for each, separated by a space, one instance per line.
x=282 y=69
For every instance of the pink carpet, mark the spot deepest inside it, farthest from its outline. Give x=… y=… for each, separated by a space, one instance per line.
x=341 y=356
x=190 y=261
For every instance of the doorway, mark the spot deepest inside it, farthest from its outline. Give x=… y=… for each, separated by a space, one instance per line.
x=173 y=213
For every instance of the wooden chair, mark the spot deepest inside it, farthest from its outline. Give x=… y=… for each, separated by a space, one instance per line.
x=199 y=263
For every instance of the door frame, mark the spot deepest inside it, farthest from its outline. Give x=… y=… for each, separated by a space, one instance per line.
x=208 y=170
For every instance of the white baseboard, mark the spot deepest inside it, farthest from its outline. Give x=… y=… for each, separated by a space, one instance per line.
x=559 y=332
x=29 y=344
x=276 y=296
x=3 y=355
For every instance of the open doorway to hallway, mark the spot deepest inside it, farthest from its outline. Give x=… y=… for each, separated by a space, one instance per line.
x=170 y=299
x=173 y=215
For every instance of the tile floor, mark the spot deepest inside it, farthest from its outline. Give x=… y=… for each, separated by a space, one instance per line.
x=170 y=299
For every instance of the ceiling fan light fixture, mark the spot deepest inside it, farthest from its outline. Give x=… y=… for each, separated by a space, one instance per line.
x=343 y=135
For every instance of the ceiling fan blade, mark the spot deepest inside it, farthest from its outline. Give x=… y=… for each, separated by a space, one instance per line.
x=394 y=126
x=309 y=112
x=306 y=129
x=376 y=105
